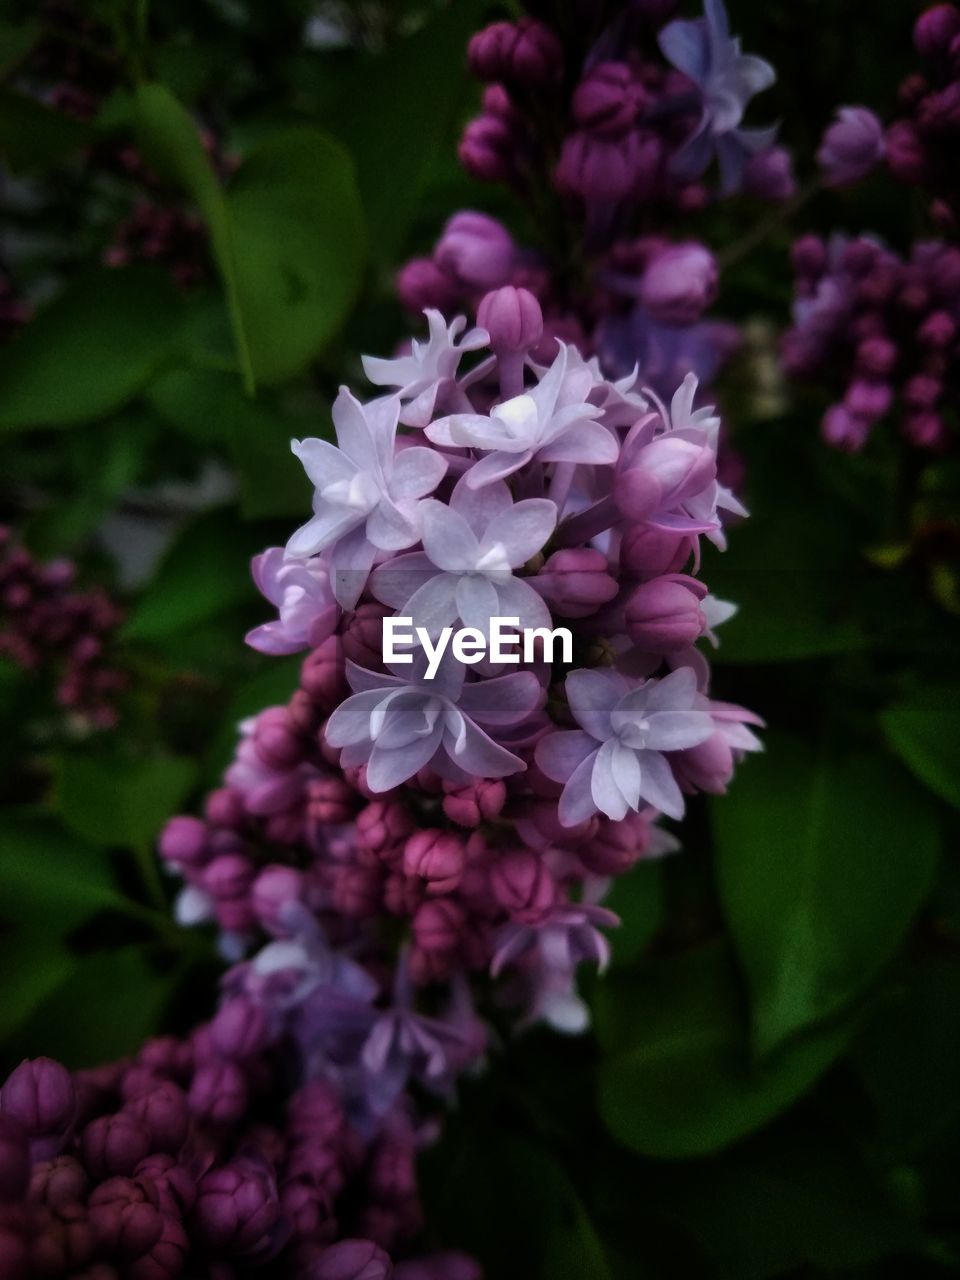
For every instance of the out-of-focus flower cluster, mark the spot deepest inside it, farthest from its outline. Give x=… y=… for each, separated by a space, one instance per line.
x=617 y=145
x=394 y=836
x=195 y=1157
x=881 y=330
x=47 y=624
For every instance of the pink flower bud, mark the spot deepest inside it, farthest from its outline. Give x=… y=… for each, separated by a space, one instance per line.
x=218 y=1093
x=487 y=149
x=228 y=877
x=59 y=1183
x=362 y=636
x=40 y=1095
x=322 y=674
x=934 y=31
x=351 y=1260
x=437 y=857
x=526 y=54
x=330 y=800
x=576 y=582
x=422 y=284
x=125 y=1221
x=605 y=169
x=609 y=99
x=664 y=616
x=476 y=250
x=163 y=1112
x=679 y=284
x=706 y=767
x=616 y=846
x=868 y=399
x=225 y=808
x=183 y=842
x=646 y=552
x=876 y=357
x=277 y=745
x=438 y=926
x=275 y=888
x=382 y=828
x=239 y=1029
x=523 y=886
x=513 y=319
x=114 y=1145
x=906 y=154
x=470 y=803
x=356 y=892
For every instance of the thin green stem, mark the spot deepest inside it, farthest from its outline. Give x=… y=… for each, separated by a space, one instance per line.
x=766 y=226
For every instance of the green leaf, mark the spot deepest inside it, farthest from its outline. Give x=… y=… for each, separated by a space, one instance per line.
x=171 y=143
x=298 y=232
x=394 y=119
x=16 y=40
x=34 y=137
x=205 y=572
x=822 y=863
x=679 y=1080
x=33 y=968
x=637 y=898
x=209 y=407
x=114 y=800
x=90 y=350
x=924 y=730
x=48 y=874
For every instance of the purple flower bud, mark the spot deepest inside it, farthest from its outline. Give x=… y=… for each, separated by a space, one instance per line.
x=604 y=169
x=616 y=846
x=323 y=674
x=934 y=31
x=126 y=1223
x=525 y=54
x=239 y=1029
x=14 y=1158
x=609 y=99
x=315 y=1114
x=40 y=1094
x=114 y=1144
x=513 y=319
x=926 y=430
x=487 y=149
x=706 y=767
x=183 y=842
x=843 y=430
x=276 y=743
x=477 y=250
x=382 y=829
x=218 y=1093
x=868 y=399
x=163 y=1112
x=275 y=889
x=309 y=1209
x=809 y=257
x=664 y=616
x=646 y=552
x=329 y=800
x=438 y=926
x=356 y=892
x=876 y=357
x=769 y=175
x=523 y=886
x=59 y=1183
x=470 y=803
x=679 y=284
x=422 y=284
x=228 y=877
x=922 y=391
x=938 y=331
x=851 y=147
x=906 y=154
x=437 y=857
x=576 y=582
x=362 y=636
x=238 y=1208
x=225 y=808
x=15 y=1259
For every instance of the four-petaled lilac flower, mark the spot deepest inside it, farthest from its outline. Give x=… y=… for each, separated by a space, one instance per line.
x=475 y=542
x=396 y=724
x=704 y=50
x=420 y=376
x=301 y=590
x=552 y=422
x=367 y=492
x=615 y=761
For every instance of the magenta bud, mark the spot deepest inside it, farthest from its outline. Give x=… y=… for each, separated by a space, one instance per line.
x=163 y=1112
x=59 y=1183
x=646 y=552
x=228 y=877
x=239 y=1029
x=526 y=54
x=421 y=284
x=275 y=889
x=126 y=1222
x=237 y=1207
x=600 y=169
x=114 y=1145
x=705 y=767
x=276 y=743
x=809 y=257
x=350 y=1260
x=926 y=430
x=868 y=399
x=362 y=636
x=513 y=319
x=330 y=800
x=922 y=392
x=477 y=250
x=938 y=331
x=679 y=284
x=768 y=175
x=438 y=926
x=609 y=99
x=470 y=803
x=487 y=148
x=576 y=582
x=382 y=828
x=616 y=846
x=852 y=146
x=877 y=357
x=315 y=1114
x=935 y=30
x=322 y=674
x=664 y=616
x=218 y=1093
x=906 y=154
x=437 y=857
x=40 y=1095
x=523 y=886
x=14 y=1159
x=843 y=430
x=356 y=892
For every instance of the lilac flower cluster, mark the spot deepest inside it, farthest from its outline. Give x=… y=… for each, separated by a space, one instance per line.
x=882 y=331
x=194 y=1157
x=616 y=143
x=45 y=622
x=477 y=818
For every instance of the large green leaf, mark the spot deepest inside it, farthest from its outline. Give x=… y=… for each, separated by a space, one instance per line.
x=637 y=898
x=34 y=137
x=288 y=236
x=822 y=863
x=678 y=1078
x=114 y=800
x=33 y=968
x=297 y=226
x=924 y=730
x=90 y=350
x=49 y=874
x=205 y=572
